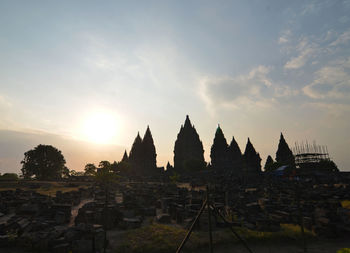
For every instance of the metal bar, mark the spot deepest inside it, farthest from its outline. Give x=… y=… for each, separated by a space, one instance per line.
x=231 y=228
x=300 y=214
x=209 y=220
x=191 y=228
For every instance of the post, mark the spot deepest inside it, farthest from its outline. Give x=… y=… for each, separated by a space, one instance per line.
x=191 y=228
x=209 y=221
x=217 y=212
x=301 y=219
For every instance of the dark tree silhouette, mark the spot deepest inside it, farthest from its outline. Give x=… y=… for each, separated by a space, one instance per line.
x=252 y=159
x=149 y=161
x=188 y=147
x=236 y=157
x=9 y=177
x=219 y=155
x=90 y=169
x=269 y=163
x=284 y=155
x=45 y=162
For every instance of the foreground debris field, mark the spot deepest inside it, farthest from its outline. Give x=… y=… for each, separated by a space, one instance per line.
x=136 y=215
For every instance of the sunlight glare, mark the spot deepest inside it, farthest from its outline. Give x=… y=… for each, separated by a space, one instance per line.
x=100 y=128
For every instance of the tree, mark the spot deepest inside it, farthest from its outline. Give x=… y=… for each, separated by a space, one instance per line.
x=122 y=168
x=252 y=158
x=74 y=173
x=9 y=177
x=45 y=162
x=65 y=172
x=105 y=177
x=188 y=146
x=284 y=155
x=90 y=169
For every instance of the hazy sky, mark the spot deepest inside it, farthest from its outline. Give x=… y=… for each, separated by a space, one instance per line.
x=256 y=67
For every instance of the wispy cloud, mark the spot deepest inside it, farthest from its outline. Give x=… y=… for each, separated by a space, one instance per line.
x=315 y=7
x=305 y=51
x=254 y=90
x=285 y=36
x=344 y=38
x=331 y=81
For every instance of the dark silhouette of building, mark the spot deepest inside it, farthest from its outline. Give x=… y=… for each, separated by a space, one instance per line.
x=125 y=157
x=143 y=157
x=252 y=159
x=311 y=158
x=284 y=156
x=236 y=158
x=149 y=156
x=135 y=155
x=188 y=150
x=269 y=163
x=219 y=155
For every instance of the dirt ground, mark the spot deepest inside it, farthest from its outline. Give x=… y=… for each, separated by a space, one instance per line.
x=329 y=246
x=316 y=246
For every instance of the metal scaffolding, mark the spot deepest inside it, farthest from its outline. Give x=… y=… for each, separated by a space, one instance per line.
x=306 y=153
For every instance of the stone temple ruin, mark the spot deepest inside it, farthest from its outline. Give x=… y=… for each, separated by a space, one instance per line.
x=78 y=221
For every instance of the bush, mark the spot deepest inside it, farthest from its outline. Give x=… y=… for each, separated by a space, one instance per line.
x=9 y=177
x=344 y=250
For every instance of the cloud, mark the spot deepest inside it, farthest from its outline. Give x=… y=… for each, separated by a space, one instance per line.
x=285 y=37
x=344 y=38
x=300 y=60
x=334 y=109
x=253 y=90
x=314 y=7
x=331 y=81
x=305 y=50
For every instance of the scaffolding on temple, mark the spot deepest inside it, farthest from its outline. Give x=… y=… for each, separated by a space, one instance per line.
x=306 y=153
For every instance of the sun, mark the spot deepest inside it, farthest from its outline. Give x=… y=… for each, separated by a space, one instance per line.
x=100 y=127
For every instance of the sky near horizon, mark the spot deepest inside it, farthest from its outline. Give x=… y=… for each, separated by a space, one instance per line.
x=73 y=73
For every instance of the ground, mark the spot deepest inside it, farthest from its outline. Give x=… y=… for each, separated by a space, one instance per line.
x=43 y=187
x=153 y=237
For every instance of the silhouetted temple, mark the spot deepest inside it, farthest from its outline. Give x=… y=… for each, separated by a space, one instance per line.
x=125 y=157
x=268 y=164
x=236 y=157
x=220 y=159
x=252 y=159
x=284 y=156
x=188 y=148
x=142 y=157
x=135 y=155
x=149 y=158
x=226 y=159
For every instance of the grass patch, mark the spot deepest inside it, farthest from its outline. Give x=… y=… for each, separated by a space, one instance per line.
x=288 y=232
x=160 y=238
x=345 y=204
x=157 y=238
x=344 y=250
x=43 y=187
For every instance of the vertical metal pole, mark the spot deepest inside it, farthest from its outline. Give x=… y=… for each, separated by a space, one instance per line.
x=301 y=220
x=209 y=221
x=192 y=226
x=218 y=213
